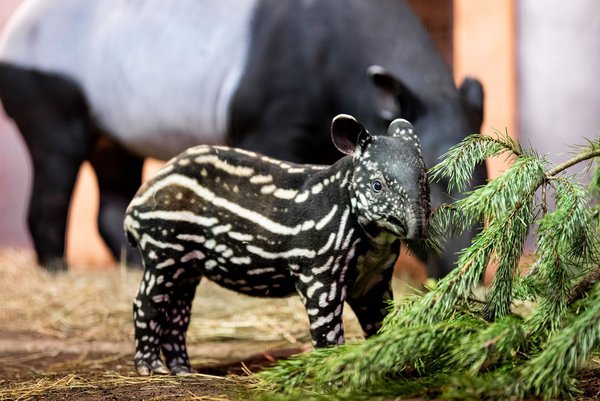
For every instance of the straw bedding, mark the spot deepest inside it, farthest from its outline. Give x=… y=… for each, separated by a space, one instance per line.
x=71 y=335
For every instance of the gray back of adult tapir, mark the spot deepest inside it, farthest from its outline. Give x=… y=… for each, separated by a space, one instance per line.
x=159 y=76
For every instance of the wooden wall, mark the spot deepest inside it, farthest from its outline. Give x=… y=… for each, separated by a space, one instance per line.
x=485 y=47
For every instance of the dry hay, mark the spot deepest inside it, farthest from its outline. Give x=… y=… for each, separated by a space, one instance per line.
x=82 y=305
x=71 y=334
x=96 y=306
x=126 y=387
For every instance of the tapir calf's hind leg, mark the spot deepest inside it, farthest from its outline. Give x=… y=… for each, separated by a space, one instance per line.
x=161 y=313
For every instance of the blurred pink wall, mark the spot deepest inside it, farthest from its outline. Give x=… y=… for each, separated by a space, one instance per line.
x=15 y=171
x=84 y=246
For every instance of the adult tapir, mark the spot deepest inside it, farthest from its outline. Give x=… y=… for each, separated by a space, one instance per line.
x=114 y=81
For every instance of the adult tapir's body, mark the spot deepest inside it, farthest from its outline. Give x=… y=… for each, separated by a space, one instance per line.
x=115 y=81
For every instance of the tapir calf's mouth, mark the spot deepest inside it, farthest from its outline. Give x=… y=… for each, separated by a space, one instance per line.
x=396 y=226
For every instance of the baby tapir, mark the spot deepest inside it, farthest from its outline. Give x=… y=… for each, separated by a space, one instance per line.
x=265 y=227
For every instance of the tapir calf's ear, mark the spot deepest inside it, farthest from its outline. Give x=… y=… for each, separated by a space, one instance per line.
x=345 y=131
x=401 y=128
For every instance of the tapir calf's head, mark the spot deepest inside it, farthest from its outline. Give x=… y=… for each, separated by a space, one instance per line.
x=389 y=185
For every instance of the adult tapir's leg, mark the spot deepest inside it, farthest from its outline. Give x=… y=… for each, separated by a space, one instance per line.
x=52 y=115
x=119 y=174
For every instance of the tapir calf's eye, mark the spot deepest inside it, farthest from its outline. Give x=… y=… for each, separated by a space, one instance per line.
x=377 y=185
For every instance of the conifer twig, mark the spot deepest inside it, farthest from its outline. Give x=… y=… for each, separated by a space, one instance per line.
x=584 y=286
x=573 y=161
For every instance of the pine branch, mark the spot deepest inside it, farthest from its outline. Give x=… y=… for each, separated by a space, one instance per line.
x=583 y=156
x=548 y=374
x=443 y=344
x=595 y=182
x=495 y=344
x=565 y=244
x=459 y=162
x=404 y=353
x=527 y=287
x=584 y=286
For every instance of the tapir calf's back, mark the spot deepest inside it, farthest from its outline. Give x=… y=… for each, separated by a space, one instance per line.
x=242 y=224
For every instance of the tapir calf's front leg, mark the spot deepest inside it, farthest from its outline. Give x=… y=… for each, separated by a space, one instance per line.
x=324 y=305
x=371 y=307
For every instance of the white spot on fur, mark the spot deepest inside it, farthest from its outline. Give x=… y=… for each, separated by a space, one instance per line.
x=322 y=320
x=307 y=225
x=268 y=189
x=285 y=193
x=316 y=189
x=240 y=236
x=323 y=300
x=311 y=290
x=217 y=163
x=326 y=247
x=245 y=260
x=325 y=220
x=190 y=237
x=295 y=252
x=198 y=255
x=166 y=263
x=342 y=226
x=324 y=268
x=221 y=229
x=183 y=215
x=261 y=179
x=264 y=270
x=301 y=197
x=296 y=170
x=305 y=279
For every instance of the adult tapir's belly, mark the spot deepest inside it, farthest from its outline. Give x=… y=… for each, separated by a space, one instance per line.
x=150 y=69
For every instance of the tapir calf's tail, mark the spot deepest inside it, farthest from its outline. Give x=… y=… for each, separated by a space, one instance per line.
x=130 y=232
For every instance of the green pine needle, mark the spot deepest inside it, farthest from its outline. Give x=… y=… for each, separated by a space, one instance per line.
x=550 y=373
x=459 y=162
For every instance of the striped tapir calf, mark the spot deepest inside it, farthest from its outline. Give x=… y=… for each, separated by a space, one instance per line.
x=269 y=228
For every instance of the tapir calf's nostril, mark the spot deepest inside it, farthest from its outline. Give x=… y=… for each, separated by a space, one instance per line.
x=418 y=230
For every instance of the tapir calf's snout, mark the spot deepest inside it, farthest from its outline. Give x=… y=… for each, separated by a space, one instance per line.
x=417 y=229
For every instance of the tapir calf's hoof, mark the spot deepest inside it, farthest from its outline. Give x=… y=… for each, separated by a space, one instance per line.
x=182 y=370
x=146 y=368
